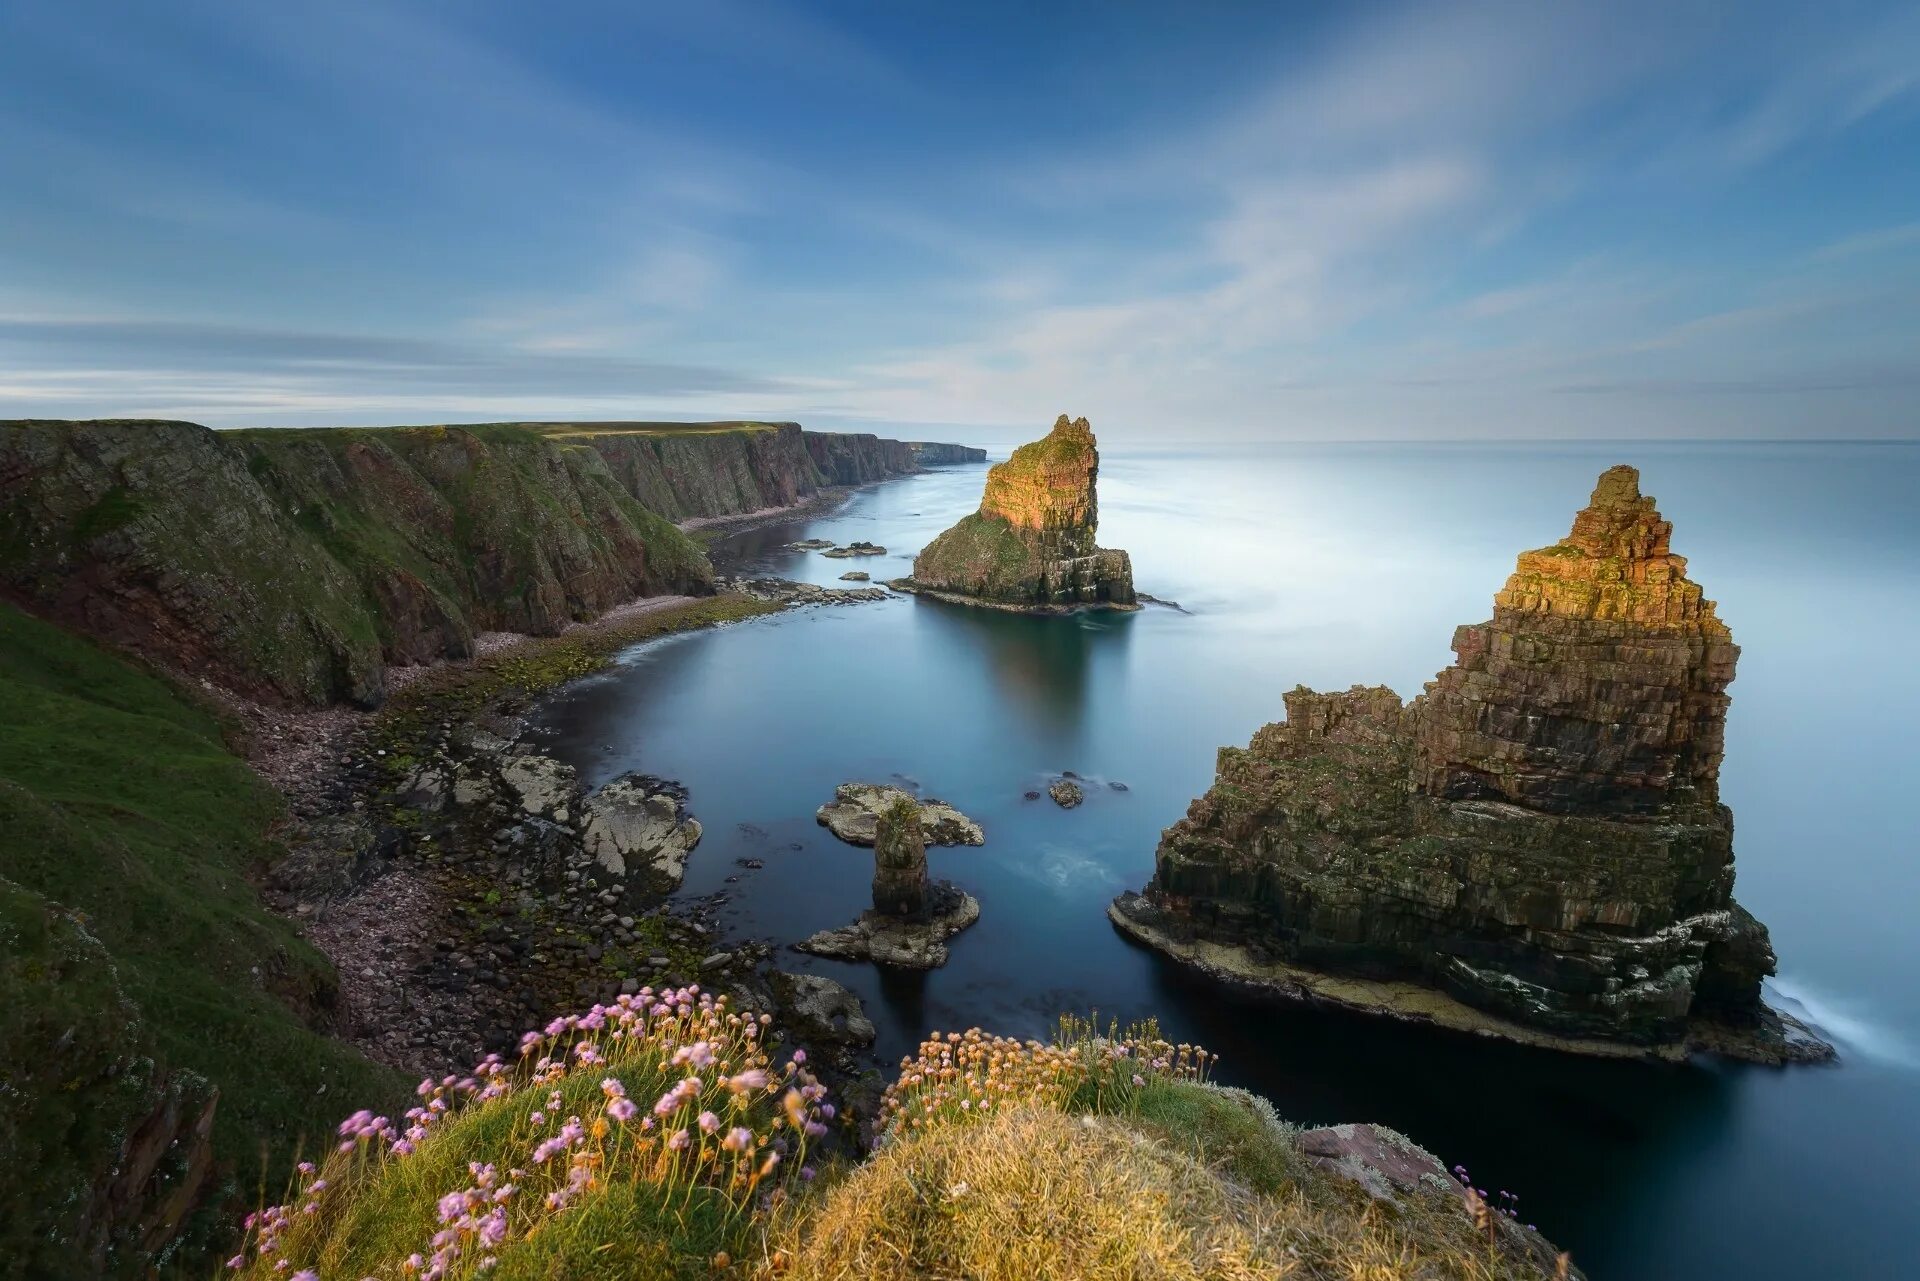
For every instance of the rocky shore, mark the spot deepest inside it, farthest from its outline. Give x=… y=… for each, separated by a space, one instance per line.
x=1535 y=848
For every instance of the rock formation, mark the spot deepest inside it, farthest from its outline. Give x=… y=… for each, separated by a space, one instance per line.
x=853 y=815
x=1031 y=544
x=912 y=916
x=900 y=862
x=1534 y=847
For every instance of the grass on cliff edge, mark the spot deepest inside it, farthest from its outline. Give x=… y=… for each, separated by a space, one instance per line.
x=120 y=802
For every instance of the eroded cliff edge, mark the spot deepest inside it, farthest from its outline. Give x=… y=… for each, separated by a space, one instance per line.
x=1031 y=544
x=1534 y=848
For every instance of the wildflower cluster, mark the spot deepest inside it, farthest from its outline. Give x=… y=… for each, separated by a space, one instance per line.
x=1481 y=1208
x=670 y=1089
x=962 y=1074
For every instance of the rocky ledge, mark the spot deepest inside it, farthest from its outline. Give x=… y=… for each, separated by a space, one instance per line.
x=785 y=591
x=1535 y=848
x=853 y=815
x=1031 y=545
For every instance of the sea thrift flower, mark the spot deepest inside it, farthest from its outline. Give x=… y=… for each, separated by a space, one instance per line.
x=621 y=1109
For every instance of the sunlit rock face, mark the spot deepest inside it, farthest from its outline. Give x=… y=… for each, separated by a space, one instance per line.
x=1600 y=683
x=1539 y=836
x=1031 y=544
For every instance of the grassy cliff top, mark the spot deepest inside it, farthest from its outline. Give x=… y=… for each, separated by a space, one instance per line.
x=667 y=1136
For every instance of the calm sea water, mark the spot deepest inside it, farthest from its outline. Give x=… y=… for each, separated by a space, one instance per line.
x=1330 y=566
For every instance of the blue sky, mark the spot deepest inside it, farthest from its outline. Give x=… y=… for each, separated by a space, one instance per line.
x=1193 y=222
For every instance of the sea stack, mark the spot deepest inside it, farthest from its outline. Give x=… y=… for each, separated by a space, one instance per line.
x=1031 y=544
x=1534 y=848
x=900 y=862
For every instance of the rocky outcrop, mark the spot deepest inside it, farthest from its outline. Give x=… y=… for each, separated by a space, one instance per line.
x=297 y=564
x=1534 y=848
x=1031 y=544
x=900 y=861
x=932 y=454
x=912 y=916
x=853 y=815
x=632 y=835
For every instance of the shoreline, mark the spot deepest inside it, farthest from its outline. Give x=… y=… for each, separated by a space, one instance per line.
x=912 y=588
x=1784 y=1040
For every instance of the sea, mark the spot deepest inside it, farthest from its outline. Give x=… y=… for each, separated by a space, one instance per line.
x=1329 y=566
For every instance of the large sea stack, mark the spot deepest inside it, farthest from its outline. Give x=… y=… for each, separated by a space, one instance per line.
x=1031 y=544
x=1534 y=848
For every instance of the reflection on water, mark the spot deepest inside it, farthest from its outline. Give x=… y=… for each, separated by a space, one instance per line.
x=1330 y=566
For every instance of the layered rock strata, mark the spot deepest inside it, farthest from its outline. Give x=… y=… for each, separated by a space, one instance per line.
x=1031 y=544
x=1535 y=847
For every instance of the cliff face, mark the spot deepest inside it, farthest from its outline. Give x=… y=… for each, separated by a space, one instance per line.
x=858 y=458
x=689 y=471
x=1031 y=544
x=296 y=564
x=933 y=454
x=1539 y=836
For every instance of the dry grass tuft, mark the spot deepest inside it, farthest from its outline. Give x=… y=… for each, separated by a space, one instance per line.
x=1032 y=1194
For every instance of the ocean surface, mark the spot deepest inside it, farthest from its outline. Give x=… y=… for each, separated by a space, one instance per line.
x=1330 y=566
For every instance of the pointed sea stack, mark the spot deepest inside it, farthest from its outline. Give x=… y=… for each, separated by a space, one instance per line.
x=1030 y=546
x=1535 y=848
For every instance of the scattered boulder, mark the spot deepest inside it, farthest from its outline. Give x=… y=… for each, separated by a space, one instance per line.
x=810 y=545
x=820 y=1011
x=853 y=816
x=1065 y=793
x=638 y=826
x=855 y=549
x=856 y=576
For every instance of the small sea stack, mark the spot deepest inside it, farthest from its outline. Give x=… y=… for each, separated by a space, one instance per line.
x=1030 y=547
x=913 y=916
x=1535 y=848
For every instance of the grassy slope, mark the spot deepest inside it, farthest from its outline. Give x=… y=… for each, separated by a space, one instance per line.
x=120 y=802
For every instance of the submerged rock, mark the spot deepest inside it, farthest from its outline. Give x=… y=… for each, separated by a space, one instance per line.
x=810 y=545
x=855 y=549
x=855 y=576
x=1031 y=544
x=1534 y=848
x=854 y=812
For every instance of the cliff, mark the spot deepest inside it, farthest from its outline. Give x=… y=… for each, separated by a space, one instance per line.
x=1534 y=847
x=693 y=471
x=1031 y=544
x=933 y=454
x=296 y=564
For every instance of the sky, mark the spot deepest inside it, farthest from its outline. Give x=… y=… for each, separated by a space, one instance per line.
x=1190 y=223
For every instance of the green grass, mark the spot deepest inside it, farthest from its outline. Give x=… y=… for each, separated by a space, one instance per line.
x=121 y=802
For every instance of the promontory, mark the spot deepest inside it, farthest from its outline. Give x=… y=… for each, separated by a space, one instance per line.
x=1031 y=545
x=1535 y=848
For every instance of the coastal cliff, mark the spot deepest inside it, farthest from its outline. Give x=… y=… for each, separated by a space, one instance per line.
x=1535 y=847
x=698 y=471
x=1031 y=544
x=933 y=454
x=296 y=565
